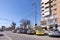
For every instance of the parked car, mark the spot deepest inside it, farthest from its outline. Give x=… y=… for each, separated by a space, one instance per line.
x=54 y=32
x=46 y=32
x=1 y=33
x=1 y=30
x=31 y=31
x=19 y=31
x=24 y=31
x=14 y=31
x=40 y=32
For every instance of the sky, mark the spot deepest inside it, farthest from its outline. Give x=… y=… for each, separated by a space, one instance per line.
x=15 y=10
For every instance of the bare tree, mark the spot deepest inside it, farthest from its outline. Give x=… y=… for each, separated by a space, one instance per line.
x=3 y=27
x=13 y=25
x=24 y=23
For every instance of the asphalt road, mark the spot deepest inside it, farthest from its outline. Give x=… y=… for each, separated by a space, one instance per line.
x=8 y=35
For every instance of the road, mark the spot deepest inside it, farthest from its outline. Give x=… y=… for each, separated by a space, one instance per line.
x=8 y=35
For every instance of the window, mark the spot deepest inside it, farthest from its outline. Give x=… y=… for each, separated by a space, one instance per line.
x=42 y=3
x=55 y=20
x=43 y=14
x=42 y=10
x=46 y=11
x=54 y=4
x=50 y=21
x=55 y=16
x=42 y=7
x=54 y=0
x=48 y=2
x=43 y=23
x=55 y=9
x=46 y=7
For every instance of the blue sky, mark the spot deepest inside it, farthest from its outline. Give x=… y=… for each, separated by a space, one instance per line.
x=15 y=10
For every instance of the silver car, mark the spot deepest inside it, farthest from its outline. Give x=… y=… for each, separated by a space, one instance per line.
x=54 y=33
x=31 y=32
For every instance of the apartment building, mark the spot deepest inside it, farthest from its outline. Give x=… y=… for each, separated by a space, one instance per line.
x=50 y=13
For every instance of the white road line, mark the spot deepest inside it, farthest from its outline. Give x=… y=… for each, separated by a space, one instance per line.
x=8 y=37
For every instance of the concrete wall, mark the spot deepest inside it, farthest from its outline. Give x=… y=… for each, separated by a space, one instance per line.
x=58 y=11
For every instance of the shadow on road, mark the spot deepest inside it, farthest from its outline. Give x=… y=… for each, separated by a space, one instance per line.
x=55 y=36
x=1 y=34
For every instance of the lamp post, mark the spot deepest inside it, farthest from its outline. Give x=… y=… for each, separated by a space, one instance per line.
x=35 y=6
x=55 y=21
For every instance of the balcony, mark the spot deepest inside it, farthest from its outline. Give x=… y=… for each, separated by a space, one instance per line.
x=46 y=14
x=42 y=7
x=45 y=1
x=47 y=9
x=50 y=6
x=43 y=25
x=52 y=22
x=46 y=5
x=42 y=10
x=42 y=19
x=48 y=2
x=42 y=3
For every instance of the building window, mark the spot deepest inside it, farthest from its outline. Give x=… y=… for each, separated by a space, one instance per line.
x=46 y=7
x=43 y=14
x=42 y=3
x=46 y=11
x=42 y=10
x=55 y=20
x=55 y=16
x=54 y=4
x=42 y=7
x=54 y=0
x=48 y=2
x=44 y=23
x=50 y=21
x=55 y=9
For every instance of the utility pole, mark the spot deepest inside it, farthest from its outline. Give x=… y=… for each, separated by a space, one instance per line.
x=35 y=6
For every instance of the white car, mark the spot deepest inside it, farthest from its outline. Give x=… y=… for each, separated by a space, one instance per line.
x=14 y=31
x=54 y=33
x=19 y=31
x=1 y=33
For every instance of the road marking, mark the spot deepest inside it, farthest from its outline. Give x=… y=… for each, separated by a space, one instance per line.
x=8 y=37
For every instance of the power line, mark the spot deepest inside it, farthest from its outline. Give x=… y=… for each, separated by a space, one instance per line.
x=35 y=6
x=5 y=19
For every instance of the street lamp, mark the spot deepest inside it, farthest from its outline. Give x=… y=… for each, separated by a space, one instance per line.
x=35 y=6
x=55 y=21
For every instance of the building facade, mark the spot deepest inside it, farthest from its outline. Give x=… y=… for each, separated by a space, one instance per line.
x=50 y=13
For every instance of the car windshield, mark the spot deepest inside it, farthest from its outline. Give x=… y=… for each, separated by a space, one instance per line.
x=55 y=30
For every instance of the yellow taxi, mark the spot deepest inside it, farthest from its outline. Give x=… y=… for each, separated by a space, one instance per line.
x=40 y=32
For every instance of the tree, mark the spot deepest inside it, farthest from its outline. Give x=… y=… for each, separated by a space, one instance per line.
x=13 y=25
x=38 y=28
x=24 y=23
x=3 y=27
